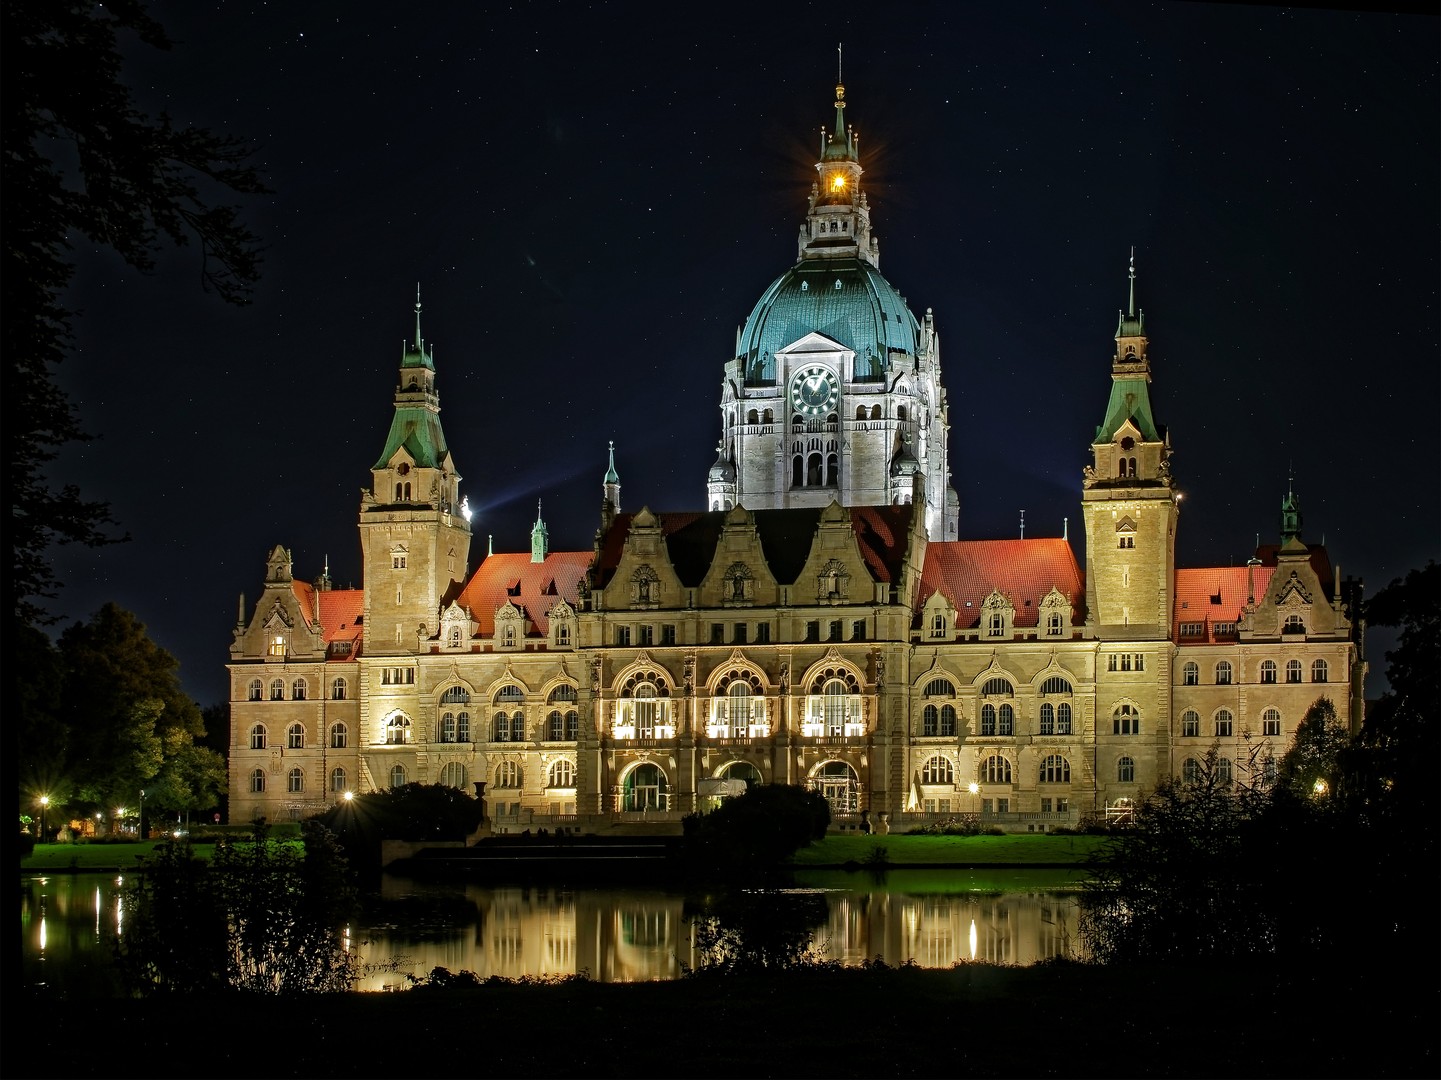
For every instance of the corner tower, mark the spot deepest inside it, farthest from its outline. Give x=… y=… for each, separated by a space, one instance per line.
x=834 y=391
x=1129 y=504
x=414 y=526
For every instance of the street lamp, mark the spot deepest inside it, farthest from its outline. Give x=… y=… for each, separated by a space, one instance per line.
x=119 y=822
x=44 y=806
x=140 y=822
x=975 y=789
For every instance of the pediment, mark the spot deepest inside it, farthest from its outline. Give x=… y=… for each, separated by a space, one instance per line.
x=813 y=343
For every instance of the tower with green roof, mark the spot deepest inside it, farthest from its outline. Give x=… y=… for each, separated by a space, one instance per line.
x=834 y=392
x=1128 y=500
x=414 y=526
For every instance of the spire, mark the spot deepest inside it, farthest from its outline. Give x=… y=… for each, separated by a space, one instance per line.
x=838 y=225
x=610 y=490
x=1290 y=516
x=1132 y=323
x=611 y=476
x=539 y=538
x=1130 y=372
x=419 y=342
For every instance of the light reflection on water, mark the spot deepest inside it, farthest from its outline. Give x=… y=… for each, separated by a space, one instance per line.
x=68 y=923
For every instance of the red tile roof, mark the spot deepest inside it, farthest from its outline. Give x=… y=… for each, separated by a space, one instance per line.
x=535 y=588
x=966 y=572
x=340 y=611
x=1213 y=594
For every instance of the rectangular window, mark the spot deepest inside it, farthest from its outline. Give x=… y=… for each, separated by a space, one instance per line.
x=1192 y=629
x=1045 y=806
x=985 y=806
x=1063 y=806
x=1003 y=806
x=858 y=630
x=1271 y=727
x=740 y=633
x=1224 y=629
x=667 y=634
x=1112 y=663
x=717 y=633
x=647 y=635
x=622 y=636
x=813 y=631
x=763 y=634
x=835 y=630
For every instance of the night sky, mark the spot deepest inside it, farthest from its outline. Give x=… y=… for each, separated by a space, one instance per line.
x=592 y=198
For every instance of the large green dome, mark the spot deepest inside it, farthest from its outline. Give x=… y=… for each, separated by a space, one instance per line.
x=865 y=314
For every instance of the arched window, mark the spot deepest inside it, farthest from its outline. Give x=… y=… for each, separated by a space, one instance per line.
x=295 y=780
x=1063 y=718
x=255 y=690
x=839 y=786
x=277 y=689
x=1294 y=625
x=397 y=729
x=988 y=719
x=900 y=412
x=1191 y=674
x=813 y=471
x=1223 y=770
x=798 y=471
x=295 y=737
x=1191 y=724
x=1225 y=723
x=562 y=775
x=1048 y=718
x=1055 y=769
x=257 y=737
x=339 y=782
x=940 y=688
x=645 y=789
x=875 y=412
x=257 y=781
x=1318 y=671
x=938 y=770
x=1190 y=771
x=507 y=775
x=337 y=690
x=509 y=693
x=462 y=727
x=1223 y=673
x=447 y=727
x=1126 y=720
x=1293 y=671
x=297 y=690
x=1271 y=722
x=563 y=692
x=939 y=629
x=1268 y=671
x=836 y=701
x=860 y=412
x=646 y=709
x=1006 y=724
x=948 y=721
x=753 y=417
x=397 y=776
x=1126 y=770
x=995 y=770
x=1054 y=625
x=453 y=775
x=997 y=687
x=1056 y=685
x=931 y=721
x=339 y=736
x=455 y=695
x=555 y=726
x=643 y=708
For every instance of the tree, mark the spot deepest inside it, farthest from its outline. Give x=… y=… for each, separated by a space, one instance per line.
x=263 y=918
x=1312 y=766
x=410 y=812
x=80 y=159
x=750 y=837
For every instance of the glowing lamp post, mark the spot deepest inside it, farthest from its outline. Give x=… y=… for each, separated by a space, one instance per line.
x=118 y=825
x=44 y=806
x=975 y=789
x=140 y=819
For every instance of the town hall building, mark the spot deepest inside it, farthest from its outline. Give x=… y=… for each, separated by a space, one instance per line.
x=816 y=620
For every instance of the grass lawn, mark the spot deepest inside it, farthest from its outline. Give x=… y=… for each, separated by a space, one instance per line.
x=83 y=857
x=1022 y=849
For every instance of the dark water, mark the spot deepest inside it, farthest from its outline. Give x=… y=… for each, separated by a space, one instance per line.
x=933 y=919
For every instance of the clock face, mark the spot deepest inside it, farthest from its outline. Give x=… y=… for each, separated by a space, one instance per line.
x=814 y=391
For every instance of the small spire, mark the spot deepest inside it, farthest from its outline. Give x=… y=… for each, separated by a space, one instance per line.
x=418 y=346
x=539 y=538
x=611 y=476
x=1023 y=524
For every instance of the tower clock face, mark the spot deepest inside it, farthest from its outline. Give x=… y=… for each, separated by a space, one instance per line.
x=815 y=391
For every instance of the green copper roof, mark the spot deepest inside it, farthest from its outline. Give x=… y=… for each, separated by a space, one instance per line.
x=866 y=314
x=418 y=430
x=611 y=476
x=1130 y=400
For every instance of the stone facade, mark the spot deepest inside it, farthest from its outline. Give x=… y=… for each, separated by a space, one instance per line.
x=818 y=623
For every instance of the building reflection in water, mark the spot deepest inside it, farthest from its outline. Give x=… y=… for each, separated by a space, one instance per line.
x=634 y=935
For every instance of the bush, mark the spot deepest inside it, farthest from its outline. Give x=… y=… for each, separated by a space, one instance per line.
x=752 y=836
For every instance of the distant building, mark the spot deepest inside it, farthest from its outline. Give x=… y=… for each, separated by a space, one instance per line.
x=818 y=622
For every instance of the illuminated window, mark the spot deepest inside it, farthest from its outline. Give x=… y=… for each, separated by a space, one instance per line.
x=339 y=736
x=255 y=691
x=562 y=775
x=1063 y=718
x=507 y=775
x=453 y=775
x=397 y=729
x=397 y=776
x=277 y=646
x=338 y=780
